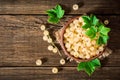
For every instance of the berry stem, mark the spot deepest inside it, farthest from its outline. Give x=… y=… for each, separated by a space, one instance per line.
x=55 y=46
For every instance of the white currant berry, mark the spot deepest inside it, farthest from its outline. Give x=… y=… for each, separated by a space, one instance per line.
x=71 y=24
x=75 y=21
x=76 y=54
x=80 y=55
x=75 y=7
x=91 y=48
x=101 y=48
x=88 y=44
x=50 y=47
x=66 y=35
x=93 y=42
x=87 y=56
x=46 y=32
x=68 y=49
x=55 y=50
x=38 y=62
x=49 y=40
x=54 y=70
x=97 y=52
x=62 y=61
x=67 y=30
x=67 y=45
x=106 y=22
x=45 y=38
x=42 y=27
x=80 y=19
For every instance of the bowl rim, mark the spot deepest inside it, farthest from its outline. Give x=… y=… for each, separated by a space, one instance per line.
x=63 y=46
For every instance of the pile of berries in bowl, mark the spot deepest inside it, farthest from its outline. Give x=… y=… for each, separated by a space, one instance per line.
x=79 y=43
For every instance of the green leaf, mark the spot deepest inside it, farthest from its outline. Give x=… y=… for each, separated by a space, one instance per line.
x=55 y=14
x=51 y=13
x=105 y=38
x=89 y=67
x=102 y=39
x=99 y=24
x=94 y=20
x=104 y=30
x=81 y=66
x=86 y=19
x=99 y=40
x=91 y=32
x=53 y=20
x=86 y=26
x=59 y=11
x=93 y=26
x=103 y=34
x=96 y=62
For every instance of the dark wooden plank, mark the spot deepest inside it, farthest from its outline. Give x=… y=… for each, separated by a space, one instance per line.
x=21 y=41
x=40 y=6
x=67 y=73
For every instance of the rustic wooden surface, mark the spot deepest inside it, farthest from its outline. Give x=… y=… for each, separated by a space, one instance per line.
x=21 y=41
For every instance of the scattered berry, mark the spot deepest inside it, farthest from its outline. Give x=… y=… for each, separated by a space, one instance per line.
x=42 y=27
x=55 y=50
x=106 y=22
x=50 y=47
x=62 y=61
x=54 y=70
x=49 y=40
x=75 y=7
x=38 y=62
x=45 y=38
x=46 y=32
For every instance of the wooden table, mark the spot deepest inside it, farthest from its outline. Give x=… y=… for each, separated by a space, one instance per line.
x=21 y=42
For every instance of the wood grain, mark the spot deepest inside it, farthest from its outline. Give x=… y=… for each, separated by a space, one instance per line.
x=40 y=6
x=21 y=41
x=66 y=73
